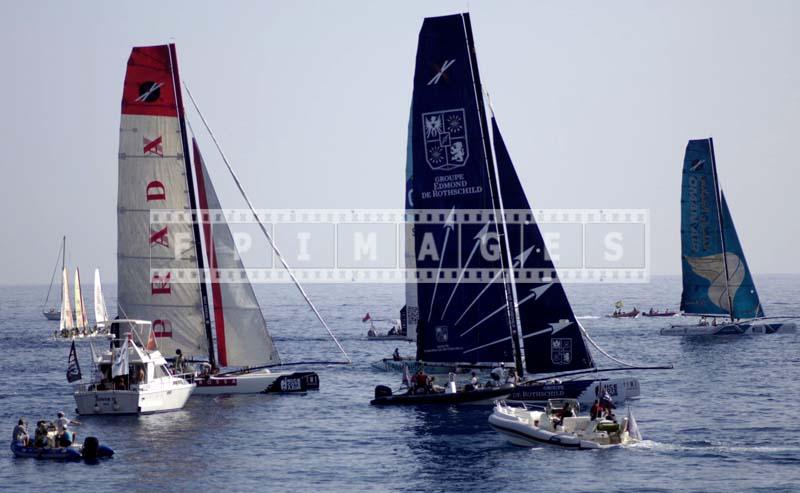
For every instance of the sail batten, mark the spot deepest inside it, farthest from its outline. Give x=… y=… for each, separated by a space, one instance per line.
x=716 y=278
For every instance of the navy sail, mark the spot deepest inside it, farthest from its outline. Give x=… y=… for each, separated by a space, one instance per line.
x=552 y=338
x=716 y=279
x=461 y=317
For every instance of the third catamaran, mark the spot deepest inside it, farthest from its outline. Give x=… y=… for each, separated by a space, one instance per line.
x=716 y=279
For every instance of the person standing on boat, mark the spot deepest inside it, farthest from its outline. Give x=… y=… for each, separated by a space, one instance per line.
x=20 y=434
x=62 y=429
x=396 y=354
x=178 y=361
x=474 y=381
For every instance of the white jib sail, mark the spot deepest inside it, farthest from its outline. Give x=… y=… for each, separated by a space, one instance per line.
x=66 y=309
x=80 y=308
x=100 y=310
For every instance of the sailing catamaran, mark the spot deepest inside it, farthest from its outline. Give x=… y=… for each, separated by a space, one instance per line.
x=486 y=291
x=51 y=312
x=162 y=276
x=716 y=279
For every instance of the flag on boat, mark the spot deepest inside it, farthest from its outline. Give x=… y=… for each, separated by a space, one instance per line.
x=406 y=376
x=73 y=368
x=366 y=318
x=151 y=341
x=603 y=396
x=120 y=364
x=633 y=428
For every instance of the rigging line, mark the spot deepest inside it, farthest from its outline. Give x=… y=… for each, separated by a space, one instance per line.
x=615 y=360
x=262 y=227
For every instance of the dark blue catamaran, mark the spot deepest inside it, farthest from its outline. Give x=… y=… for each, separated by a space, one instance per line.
x=716 y=279
x=482 y=289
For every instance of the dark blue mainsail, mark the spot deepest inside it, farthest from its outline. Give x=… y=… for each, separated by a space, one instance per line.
x=716 y=279
x=460 y=320
x=552 y=338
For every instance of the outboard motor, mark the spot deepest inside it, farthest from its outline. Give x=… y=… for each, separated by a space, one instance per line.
x=382 y=391
x=90 y=446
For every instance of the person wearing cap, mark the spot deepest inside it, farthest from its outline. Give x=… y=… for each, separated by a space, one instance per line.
x=20 y=434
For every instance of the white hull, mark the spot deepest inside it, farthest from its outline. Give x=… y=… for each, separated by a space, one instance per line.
x=527 y=429
x=585 y=391
x=247 y=383
x=742 y=328
x=152 y=398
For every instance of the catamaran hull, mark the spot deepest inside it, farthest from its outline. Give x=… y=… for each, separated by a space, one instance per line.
x=258 y=382
x=475 y=397
x=132 y=401
x=730 y=329
x=620 y=390
x=524 y=435
x=388 y=338
x=388 y=364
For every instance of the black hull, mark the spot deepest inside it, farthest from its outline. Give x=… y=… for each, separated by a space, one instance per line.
x=461 y=397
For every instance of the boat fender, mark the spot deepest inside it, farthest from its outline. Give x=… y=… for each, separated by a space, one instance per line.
x=382 y=391
x=90 y=446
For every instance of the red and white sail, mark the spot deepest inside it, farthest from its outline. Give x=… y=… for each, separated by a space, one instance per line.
x=153 y=175
x=80 y=308
x=66 y=309
x=241 y=331
x=100 y=310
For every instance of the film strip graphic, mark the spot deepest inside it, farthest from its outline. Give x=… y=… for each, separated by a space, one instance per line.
x=379 y=245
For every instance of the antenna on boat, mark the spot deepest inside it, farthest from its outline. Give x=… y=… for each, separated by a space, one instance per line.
x=262 y=227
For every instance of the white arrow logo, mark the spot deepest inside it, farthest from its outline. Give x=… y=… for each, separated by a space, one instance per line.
x=439 y=74
x=448 y=226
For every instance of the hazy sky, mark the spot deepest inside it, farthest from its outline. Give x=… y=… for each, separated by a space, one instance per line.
x=310 y=100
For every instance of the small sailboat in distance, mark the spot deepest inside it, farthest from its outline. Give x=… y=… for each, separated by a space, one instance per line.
x=716 y=279
x=100 y=309
x=51 y=312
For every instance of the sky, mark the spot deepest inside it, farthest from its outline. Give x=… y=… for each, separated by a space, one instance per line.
x=310 y=102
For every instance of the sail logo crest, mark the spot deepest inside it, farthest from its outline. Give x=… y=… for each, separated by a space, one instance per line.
x=445 y=139
x=561 y=350
x=149 y=91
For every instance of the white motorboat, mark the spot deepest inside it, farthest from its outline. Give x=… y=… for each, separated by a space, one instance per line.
x=529 y=428
x=130 y=378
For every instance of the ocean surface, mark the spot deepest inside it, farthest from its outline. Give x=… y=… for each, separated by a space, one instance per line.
x=725 y=419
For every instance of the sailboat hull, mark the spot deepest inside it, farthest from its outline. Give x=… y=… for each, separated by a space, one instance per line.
x=619 y=389
x=257 y=382
x=52 y=314
x=746 y=328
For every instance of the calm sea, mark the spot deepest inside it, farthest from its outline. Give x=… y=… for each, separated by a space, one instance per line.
x=725 y=419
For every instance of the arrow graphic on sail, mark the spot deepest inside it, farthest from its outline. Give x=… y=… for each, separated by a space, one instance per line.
x=481 y=238
x=519 y=262
x=555 y=328
x=448 y=226
x=536 y=293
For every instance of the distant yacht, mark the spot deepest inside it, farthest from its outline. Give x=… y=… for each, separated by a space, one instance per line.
x=52 y=312
x=717 y=283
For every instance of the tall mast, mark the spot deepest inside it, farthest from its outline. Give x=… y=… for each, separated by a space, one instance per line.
x=173 y=60
x=721 y=226
x=494 y=191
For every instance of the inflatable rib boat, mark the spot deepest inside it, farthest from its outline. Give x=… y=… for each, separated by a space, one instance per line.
x=530 y=428
x=90 y=450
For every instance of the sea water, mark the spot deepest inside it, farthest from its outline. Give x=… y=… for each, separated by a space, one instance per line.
x=725 y=419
